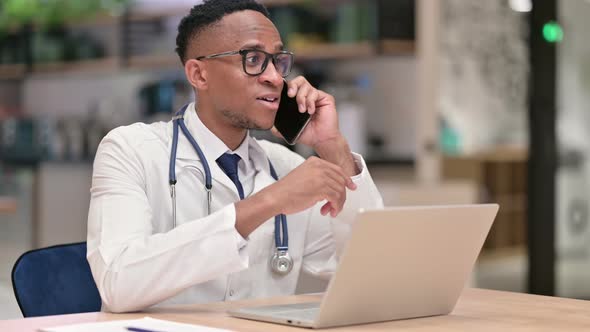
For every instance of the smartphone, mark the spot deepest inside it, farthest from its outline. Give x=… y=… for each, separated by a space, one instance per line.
x=289 y=121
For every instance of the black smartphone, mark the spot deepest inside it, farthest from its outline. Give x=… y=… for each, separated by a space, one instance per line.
x=289 y=121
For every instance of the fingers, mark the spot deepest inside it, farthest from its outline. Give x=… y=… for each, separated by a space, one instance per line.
x=326 y=208
x=342 y=177
x=336 y=178
x=333 y=186
x=302 y=93
x=322 y=181
x=336 y=196
x=312 y=97
x=295 y=84
x=348 y=183
x=307 y=96
x=293 y=87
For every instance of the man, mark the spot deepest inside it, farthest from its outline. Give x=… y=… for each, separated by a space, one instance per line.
x=144 y=251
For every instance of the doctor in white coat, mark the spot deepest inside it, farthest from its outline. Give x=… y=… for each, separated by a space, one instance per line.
x=145 y=249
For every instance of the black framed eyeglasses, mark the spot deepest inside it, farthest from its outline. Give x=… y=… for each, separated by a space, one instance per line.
x=255 y=62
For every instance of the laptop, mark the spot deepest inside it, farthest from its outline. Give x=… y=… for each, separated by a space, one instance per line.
x=399 y=263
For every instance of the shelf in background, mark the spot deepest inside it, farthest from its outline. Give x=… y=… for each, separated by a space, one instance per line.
x=397 y=47
x=98 y=20
x=159 y=61
x=12 y=71
x=313 y=52
x=139 y=16
x=323 y=51
x=333 y=51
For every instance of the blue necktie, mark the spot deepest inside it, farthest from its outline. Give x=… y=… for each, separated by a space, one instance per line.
x=229 y=165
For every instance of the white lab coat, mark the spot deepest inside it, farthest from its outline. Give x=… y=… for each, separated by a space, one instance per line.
x=138 y=259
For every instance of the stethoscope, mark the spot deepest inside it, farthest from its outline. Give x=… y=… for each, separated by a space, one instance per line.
x=280 y=262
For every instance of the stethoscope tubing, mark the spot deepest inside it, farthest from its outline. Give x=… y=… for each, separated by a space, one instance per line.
x=178 y=122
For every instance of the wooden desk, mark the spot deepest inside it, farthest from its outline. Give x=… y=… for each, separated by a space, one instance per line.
x=477 y=310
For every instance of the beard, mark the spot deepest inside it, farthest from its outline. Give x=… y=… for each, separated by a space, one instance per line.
x=240 y=120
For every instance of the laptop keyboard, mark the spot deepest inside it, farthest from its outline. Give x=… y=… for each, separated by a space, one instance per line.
x=298 y=311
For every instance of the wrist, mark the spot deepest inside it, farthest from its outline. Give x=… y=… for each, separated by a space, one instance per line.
x=271 y=199
x=337 y=151
x=255 y=210
x=328 y=147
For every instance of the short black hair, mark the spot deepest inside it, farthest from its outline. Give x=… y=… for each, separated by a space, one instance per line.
x=205 y=15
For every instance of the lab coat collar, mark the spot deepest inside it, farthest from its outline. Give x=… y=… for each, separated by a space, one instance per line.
x=211 y=145
x=214 y=147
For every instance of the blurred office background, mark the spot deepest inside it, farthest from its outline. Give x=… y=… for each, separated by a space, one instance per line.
x=450 y=101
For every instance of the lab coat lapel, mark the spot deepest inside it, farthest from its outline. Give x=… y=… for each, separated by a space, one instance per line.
x=261 y=162
x=263 y=180
x=186 y=156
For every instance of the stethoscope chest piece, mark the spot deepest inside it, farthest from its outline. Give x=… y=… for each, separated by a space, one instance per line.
x=281 y=262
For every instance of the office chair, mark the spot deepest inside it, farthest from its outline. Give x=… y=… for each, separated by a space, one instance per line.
x=55 y=280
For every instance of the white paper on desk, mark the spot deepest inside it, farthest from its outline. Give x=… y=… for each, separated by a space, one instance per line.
x=146 y=323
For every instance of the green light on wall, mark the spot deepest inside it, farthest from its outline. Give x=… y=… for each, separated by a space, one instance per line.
x=552 y=32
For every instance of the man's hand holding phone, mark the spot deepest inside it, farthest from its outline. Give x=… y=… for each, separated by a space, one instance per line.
x=318 y=104
x=289 y=122
x=321 y=132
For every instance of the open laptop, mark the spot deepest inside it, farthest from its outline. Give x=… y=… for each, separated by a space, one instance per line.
x=399 y=263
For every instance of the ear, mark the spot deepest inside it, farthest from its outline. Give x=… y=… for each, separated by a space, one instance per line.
x=196 y=74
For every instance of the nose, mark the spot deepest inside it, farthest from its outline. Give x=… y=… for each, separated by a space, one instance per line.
x=270 y=75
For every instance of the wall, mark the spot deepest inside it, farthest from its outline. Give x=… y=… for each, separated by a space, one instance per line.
x=75 y=94
x=389 y=102
x=484 y=72
x=573 y=174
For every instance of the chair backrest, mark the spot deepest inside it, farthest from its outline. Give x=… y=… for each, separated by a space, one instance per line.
x=55 y=280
